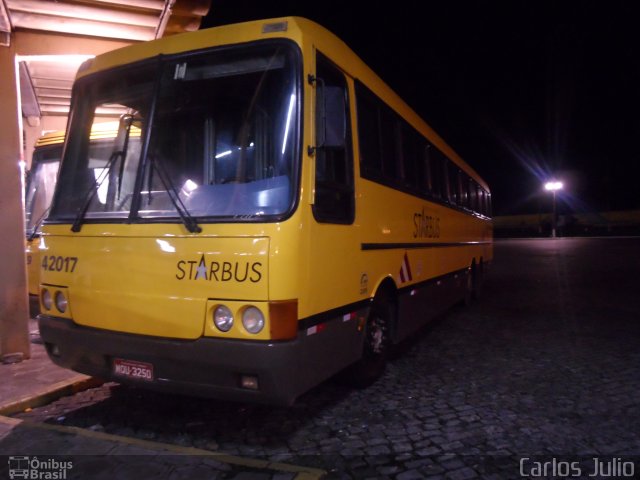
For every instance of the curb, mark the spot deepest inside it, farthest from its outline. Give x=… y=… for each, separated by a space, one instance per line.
x=301 y=473
x=49 y=394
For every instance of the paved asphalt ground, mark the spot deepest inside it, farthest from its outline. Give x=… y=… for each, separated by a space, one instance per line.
x=545 y=368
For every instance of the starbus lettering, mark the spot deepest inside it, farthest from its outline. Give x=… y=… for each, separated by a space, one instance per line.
x=219 y=271
x=425 y=226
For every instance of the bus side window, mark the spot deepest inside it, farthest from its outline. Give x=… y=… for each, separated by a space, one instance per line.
x=414 y=172
x=368 y=134
x=334 y=197
x=454 y=183
x=389 y=145
x=425 y=176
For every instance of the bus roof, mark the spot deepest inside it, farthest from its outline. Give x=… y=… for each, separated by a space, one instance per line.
x=301 y=30
x=98 y=131
x=50 y=138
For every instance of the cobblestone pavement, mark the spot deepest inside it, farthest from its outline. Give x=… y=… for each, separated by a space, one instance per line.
x=546 y=364
x=58 y=452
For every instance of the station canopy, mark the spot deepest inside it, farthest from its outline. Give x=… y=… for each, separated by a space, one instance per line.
x=46 y=80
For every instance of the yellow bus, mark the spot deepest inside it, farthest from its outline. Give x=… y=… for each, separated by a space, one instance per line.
x=282 y=217
x=39 y=186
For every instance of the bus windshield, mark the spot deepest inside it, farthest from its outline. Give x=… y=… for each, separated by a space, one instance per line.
x=212 y=135
x=40 y=184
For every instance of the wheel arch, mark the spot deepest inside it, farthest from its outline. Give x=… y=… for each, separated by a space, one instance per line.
x=387 y=290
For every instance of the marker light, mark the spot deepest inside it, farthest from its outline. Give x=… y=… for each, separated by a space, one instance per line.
x=47 y=301
x=61 y=302
x=253 y=320
x=223 y=318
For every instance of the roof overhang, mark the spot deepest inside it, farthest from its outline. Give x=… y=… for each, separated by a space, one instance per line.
x=46 y=73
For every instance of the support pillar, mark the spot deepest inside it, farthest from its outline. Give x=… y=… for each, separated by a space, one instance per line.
x=14 y=306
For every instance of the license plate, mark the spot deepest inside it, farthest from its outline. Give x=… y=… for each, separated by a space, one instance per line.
x=133 y=369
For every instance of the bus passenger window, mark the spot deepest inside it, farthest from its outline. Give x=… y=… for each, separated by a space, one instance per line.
x=474 y=189
x=388 y=142
x=454 y=184
x=413 y=158
x=334 y=200
x=368 y=133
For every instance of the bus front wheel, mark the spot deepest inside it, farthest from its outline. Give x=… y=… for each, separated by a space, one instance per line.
x=377 y=342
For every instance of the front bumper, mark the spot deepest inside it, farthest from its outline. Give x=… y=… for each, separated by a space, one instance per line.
x=207 y=367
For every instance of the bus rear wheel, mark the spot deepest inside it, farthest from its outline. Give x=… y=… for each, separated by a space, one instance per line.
x=377 y=342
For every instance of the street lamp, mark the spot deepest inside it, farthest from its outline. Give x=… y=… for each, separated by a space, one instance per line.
x=553 y=186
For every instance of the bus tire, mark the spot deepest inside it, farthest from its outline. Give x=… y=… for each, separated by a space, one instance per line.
x=377 y=342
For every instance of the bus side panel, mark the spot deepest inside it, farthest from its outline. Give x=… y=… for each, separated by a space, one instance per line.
x=33 y=266
x=417 y=306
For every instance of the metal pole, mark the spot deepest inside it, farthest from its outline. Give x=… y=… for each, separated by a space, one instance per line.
x=553 y=217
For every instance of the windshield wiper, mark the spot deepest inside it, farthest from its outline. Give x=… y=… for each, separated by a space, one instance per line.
x=187 y=219
x=126 y=121
x=34 y=232
x=82 y=211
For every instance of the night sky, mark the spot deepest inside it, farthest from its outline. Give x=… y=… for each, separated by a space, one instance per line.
x=522 y=90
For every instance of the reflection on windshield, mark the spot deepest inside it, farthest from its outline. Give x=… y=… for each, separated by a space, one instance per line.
x=219 y=127
x=40 y=185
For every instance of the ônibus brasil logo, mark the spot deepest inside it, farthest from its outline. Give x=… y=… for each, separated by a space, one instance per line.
x=38 y=469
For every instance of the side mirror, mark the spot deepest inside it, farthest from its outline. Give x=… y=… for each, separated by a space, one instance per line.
x=331 y=121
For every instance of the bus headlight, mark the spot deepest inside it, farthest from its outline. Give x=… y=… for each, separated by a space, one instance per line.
x=61 y=302
x=253 y=320
x=47 y=301
x=223 y=318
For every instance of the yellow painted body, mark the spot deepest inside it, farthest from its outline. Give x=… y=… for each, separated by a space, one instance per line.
x=32 y=251
x=99 y=131
x=128 y=277
x=32 y=244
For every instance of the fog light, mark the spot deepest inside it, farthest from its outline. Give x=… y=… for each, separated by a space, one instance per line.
x=249 y=382
x=55 y=350
x=61 y=302
x=253 y=320
x=47 y=301
x=223 y=318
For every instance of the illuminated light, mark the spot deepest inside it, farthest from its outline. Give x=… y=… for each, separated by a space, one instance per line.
x=553 y=186
x=66 y=59
x=223 y=154
x=286 y=128
x=166 y=246
x=249 y=382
